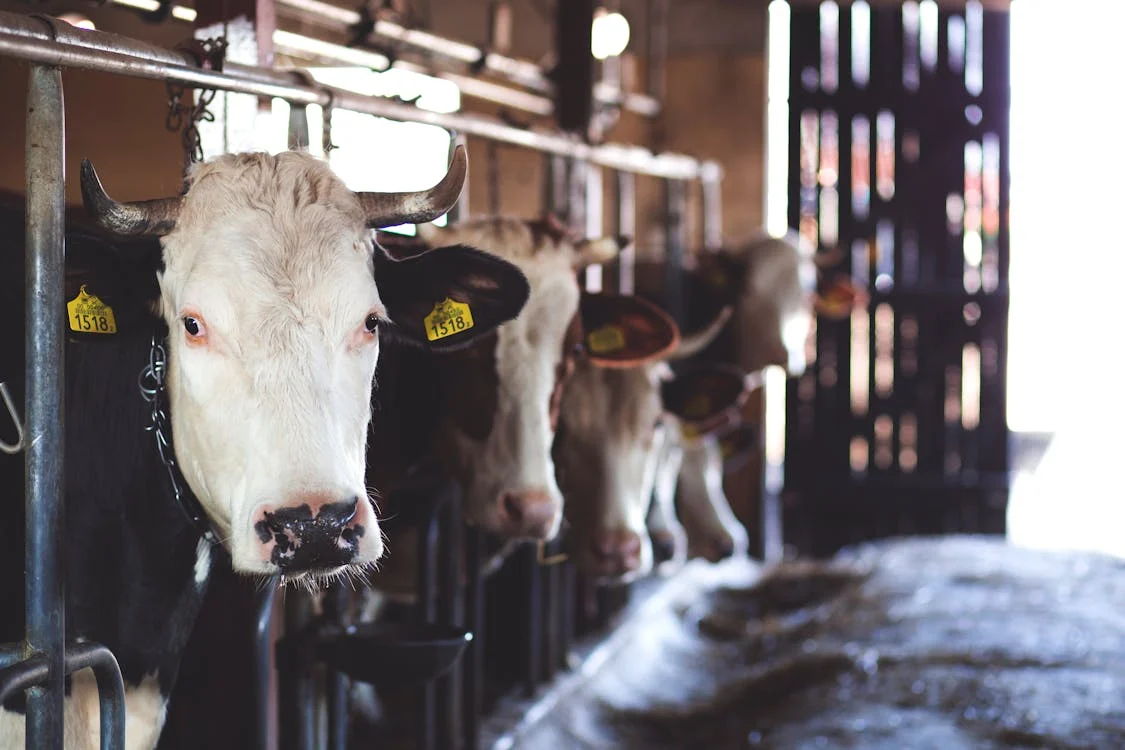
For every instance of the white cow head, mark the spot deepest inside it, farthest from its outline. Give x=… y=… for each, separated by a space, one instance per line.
x=613 y=428
x=772 y=281
x=274 y=296
x=498 y=441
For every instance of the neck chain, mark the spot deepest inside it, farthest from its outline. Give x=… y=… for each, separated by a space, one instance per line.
x=151 y=384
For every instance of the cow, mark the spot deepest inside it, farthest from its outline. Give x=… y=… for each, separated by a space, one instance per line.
x=777 y=285
x=614 y=426
x=487 y=414
x=254 y=323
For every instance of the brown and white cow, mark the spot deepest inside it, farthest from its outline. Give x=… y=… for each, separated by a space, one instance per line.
x=262 y=307
x=614 y=426
x=487 y=413
x=773 y=284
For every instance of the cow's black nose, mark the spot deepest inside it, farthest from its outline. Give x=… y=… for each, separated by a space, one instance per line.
x=311 y=535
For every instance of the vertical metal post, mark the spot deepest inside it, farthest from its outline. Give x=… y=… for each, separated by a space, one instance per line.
x=593 y=220
x=449 y=613
x=529 y=561
x=627 y=227
x=473 y=689
x=43 y=465
x=675 y=227
x=711 y=181
x=263 y=648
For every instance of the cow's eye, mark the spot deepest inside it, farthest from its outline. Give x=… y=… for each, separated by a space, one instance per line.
x=371 y=323
x=192 y=326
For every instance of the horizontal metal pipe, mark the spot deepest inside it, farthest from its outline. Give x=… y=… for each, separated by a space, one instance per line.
x=16 y=678
x=309 y=48
x=521 y=72
x=24 y=38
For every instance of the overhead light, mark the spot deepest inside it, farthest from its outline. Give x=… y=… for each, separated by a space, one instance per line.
x=610 y=34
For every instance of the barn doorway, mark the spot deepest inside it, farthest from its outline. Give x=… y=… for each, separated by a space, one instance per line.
x=1065 y=407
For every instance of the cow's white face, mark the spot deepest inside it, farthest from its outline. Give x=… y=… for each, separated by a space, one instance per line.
x=268 y=293
x=611 y=437
x=501 y=445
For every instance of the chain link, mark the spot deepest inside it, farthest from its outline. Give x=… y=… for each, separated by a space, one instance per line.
x=326 y=131
x=184 y=115
x=150 y=381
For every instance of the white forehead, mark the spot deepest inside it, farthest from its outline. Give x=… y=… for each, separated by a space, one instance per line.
x=616 y=404
x=273 y=234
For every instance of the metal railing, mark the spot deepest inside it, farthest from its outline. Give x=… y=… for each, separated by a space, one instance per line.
x=39 y=664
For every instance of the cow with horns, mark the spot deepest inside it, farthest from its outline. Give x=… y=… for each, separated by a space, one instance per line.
x=487 y=414
x=255 y=323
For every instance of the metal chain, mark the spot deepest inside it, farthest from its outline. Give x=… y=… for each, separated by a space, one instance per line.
x=151 y=384
x=326 y=131
x=184 y=115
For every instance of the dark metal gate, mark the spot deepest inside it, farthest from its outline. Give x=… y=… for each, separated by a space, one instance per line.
x=898 y=160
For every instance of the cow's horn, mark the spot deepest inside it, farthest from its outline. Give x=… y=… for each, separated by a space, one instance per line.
x=694 y=343
x=153 y=217
x=392 y=209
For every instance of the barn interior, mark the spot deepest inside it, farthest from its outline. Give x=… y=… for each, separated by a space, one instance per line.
x=923 y=528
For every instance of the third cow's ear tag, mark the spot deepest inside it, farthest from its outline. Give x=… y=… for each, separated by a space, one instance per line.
x=449 y=317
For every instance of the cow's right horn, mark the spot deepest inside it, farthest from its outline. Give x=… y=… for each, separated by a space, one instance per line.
x=152 y=217
x=392 y=209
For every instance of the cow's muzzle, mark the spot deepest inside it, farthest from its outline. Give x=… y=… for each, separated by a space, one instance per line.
x=311 y=536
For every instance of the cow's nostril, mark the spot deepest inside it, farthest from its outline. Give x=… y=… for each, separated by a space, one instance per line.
x=512 y=506
x=338 y=514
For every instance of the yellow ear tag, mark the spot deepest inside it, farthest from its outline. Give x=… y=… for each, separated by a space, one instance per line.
x=88 y=314
x=448 y=318
x=608 y=338
x=688 y=431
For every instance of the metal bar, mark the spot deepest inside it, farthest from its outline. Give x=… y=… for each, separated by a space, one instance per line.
x=22 y=675
x=34 y=671
x=263 y=670
x=448 y=613
x=465 y=57
x=473 y=660
x=534 y=618
x=111 y=53
x=590 y=194
x=297 y=715
x=427 y=611
x=316 y=50
x=43 y=457
x=627 y=227
x=111 y=688
x=712 y=210
x=675 y=197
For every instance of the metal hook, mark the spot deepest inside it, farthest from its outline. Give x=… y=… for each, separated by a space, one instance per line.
x=18 y=445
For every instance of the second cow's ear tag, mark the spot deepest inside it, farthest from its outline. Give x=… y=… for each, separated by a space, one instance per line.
x=448 y=318
x=87 y=313
x=608 y=338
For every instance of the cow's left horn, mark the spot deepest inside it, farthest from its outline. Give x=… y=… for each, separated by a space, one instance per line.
x=392 y=209
x=154 y=217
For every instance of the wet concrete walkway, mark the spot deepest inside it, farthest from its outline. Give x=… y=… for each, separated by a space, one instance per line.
x=919 y=644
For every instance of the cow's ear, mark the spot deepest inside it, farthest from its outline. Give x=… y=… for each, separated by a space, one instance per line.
x=839 y=298
x=110 y=285
x=738 y=445
x=705 y=398
x=622 y=330
x=448 y=297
